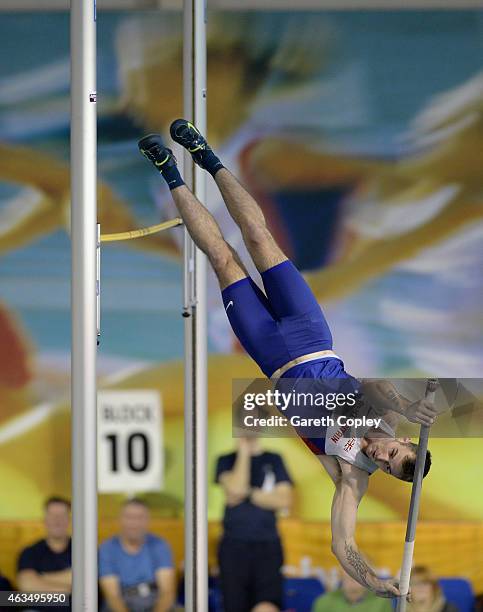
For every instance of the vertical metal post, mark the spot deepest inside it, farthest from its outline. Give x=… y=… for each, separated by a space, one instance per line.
x=83 y=303
x=414 y=505
x=196 y=415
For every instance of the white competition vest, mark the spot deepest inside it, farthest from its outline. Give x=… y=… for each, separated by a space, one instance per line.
x=349 y=449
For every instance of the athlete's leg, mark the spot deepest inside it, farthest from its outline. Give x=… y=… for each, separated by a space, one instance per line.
x=229 y=269
x=199 y=222
x=249 y=217
x=207 y=236
x=286 y=289
x=246 y=305
x=244 y=210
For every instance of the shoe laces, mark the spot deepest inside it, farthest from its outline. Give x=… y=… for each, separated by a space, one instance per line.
x=191 y=138
x=152 y=153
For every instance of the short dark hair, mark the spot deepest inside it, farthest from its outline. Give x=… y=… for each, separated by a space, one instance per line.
x=135 y=501
x=409 y=464
x=57 y=500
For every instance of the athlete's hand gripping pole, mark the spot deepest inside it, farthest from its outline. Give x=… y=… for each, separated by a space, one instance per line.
x=414 y=504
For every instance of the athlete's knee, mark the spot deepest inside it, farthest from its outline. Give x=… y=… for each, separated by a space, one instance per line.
x=222 y=258
x=256 y=234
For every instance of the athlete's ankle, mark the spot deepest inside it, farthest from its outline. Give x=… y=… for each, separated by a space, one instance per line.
x=210 y=162
x=172 y=177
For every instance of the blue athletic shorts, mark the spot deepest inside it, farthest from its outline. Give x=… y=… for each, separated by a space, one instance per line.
x=281 y=324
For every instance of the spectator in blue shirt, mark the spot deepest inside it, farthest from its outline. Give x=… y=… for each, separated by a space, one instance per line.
x=136 y=568
x=256 y=485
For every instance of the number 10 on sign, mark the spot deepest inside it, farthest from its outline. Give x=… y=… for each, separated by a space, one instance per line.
x=130 y=439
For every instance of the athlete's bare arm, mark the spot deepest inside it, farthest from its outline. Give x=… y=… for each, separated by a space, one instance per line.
x=349 y=491
x=383 y=396
x=332 y=467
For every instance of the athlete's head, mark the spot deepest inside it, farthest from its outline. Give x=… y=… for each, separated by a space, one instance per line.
x=396 y=457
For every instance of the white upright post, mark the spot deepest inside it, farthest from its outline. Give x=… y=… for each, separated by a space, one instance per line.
x=196 y=415
x=83 y=304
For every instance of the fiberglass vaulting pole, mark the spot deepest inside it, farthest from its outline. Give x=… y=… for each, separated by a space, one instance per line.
x=196 y=415
x=416 y=490
x=83 y=304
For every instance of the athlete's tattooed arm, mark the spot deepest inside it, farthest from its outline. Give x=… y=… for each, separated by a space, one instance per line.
x=365 y=575
x=386 y=401
x=348 y=494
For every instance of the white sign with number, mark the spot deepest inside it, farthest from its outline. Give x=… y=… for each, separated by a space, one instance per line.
x=129 y=441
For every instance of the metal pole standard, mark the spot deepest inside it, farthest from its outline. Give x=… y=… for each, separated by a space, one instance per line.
x=196 y=414
x=83 y=304
x=414 y=505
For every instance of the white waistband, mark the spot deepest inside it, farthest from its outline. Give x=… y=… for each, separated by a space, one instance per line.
x=300 y=360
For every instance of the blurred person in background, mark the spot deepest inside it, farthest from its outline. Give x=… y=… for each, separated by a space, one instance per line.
x=256 y=485
x=5 y=585
x=46 y=565
x=426 y=593
x=351 y=596
x=136 y=569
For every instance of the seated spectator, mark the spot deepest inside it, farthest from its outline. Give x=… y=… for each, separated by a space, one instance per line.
x=136 y=568
x=5 y=585
x=426 y=594
x=351 y=597
x=46 y=565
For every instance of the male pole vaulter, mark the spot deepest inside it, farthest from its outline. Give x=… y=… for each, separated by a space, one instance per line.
x=284 y=330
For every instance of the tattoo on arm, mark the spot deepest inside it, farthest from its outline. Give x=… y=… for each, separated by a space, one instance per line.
x=364 y=572
x=357 y=562
x=384 y=399
x=390 y=393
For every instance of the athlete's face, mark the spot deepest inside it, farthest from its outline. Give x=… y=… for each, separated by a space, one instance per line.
x=389 y=454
